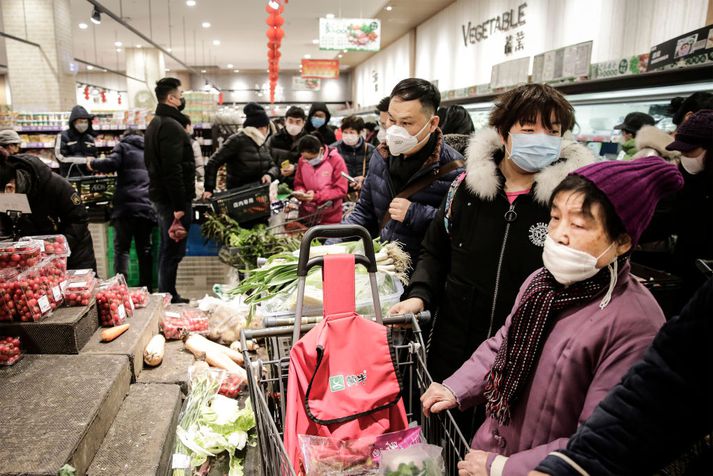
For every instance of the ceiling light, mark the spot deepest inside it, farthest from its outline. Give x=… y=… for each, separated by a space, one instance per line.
x=96 y=17
x=307 y=56
x=205 y=24
x=273 y=4
x=83 y=26
x=118 y=50
x=230 y=65
x=329 y=16
x=117 y=43
x=389 y=8
x=268 y=70
x=236 y=71
x=216 y=42
x=340 y=56
x=90 y=67
x=315 y=41
x=345 y=51
x=203 y=71
x=191 y=3
x=168 y=70
x=138 y=46
x=170 y=50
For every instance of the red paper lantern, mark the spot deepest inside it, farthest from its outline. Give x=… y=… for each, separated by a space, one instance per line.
x=272 y=11
x=274 y=54
x=86 y=92
x=275 y=21
x=220 y=98
x=275 y=34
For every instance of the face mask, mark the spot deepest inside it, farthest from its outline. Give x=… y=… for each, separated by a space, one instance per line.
x=182 y=106
x=317 y=160
x=318 y=122
x=381 y=135
x=534 y=152
x=693 y=165
x=568 y=265
x=350 y=139
x=81 y=128
x=400 y=141
x=293 y=129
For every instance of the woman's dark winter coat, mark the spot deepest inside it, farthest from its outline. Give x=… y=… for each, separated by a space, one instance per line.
x=131 y=198
x=75 y=143
x=326 y=133
x=471 y=270
x=246 y=159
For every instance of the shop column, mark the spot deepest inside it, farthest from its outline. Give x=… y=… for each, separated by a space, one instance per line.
x=41 y=79
x=148 y=65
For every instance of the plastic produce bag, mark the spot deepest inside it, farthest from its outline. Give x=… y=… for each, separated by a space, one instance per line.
x=226 y=318
x=179 y=320
x=139 y=296
x=113 y=301
x=10 y=351
x=418 y=460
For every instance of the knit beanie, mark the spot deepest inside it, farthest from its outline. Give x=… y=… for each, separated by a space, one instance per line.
x=634 y=188
x=255 y=116
x=696 y=132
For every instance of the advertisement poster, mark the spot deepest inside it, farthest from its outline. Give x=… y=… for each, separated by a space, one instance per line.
x=690 y=49
x=510 y=73
x=324 y=69
x=306 y=84
x=351 y=34
x=636 y=64
x=570 y=62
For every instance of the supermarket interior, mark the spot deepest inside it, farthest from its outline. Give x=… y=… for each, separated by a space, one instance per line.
x=365 y=237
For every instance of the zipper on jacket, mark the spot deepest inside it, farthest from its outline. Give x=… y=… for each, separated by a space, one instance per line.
x=510 y=216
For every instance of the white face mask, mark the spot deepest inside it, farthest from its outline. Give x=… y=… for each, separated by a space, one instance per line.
x=293 y=129
x=693 y=165
x=81 y=127
x=350 y=139
x=381 y=135
x=568 y=265
x=400 y=141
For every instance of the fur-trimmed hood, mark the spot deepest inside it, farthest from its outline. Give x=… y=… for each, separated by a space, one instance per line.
x=650 y=140
x=255 y=135
x=483 y=178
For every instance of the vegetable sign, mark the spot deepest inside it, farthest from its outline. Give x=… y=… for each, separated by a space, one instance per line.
x=355 y=34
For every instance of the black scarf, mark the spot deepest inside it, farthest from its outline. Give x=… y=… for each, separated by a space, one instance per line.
x=168 y=111
x=543 y=299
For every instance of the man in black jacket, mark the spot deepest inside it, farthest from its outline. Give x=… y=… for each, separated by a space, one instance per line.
x=660 y=409
x=283 y=145
x=318 y=123
x=56 y=206
x=76 y=141
x=172 y=170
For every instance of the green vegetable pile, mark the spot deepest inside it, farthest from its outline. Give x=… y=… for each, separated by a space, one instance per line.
x=429 y=468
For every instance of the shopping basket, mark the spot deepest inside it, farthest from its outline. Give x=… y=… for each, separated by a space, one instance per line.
x=244 y=204
x=267 y=378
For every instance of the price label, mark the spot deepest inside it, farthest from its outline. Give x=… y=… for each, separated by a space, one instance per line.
x=76 y=285
x=57 y=293
x=81 y=272
x=122 y=312
x=44 y=303
x=63 y=285
x=172 y=314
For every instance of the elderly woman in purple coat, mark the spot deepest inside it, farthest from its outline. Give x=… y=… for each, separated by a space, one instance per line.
x=577 y=326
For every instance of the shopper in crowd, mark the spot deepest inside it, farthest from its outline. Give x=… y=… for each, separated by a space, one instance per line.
x=319 y=183
x=78 y=139
x=245 y=154
x=660 y=409
x=10 y=141
x=652 y=141
x=370 y=132
x=318 y=123
x=197 y=152
x=631 y=125
x=55 y=206
x=355 y=151
x=457 y=126
x=577 y=325
x=488 y=235
x=382 y=109
x=283 y=145
x=172 y=170
x=693 y=206
x=132 y=215
x=410 y=173
x=683 y=108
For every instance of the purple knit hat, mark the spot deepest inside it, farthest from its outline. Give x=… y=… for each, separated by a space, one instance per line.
x=634 y=188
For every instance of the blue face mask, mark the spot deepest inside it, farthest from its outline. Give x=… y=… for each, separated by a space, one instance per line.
x=318 y=122
x=534 y=152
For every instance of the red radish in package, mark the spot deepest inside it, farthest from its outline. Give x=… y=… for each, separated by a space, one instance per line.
x=7 y=305
x=9 y=350
x=31 y=293
x=21 y=255
x=54 y=268
x=113 y=301
x=139 y=296
x=79 y=288
x=178 y=321
x=50 y=244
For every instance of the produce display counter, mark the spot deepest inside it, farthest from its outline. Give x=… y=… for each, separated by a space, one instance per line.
x=173 y=369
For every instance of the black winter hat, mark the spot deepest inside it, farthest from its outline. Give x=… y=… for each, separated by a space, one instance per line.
x=635 y=121
x=696 y=132
x=255 y=116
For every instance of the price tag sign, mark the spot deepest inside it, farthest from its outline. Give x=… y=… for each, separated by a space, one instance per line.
x=44 y=303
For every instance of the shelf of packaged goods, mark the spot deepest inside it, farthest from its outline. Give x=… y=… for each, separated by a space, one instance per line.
x=37 y=145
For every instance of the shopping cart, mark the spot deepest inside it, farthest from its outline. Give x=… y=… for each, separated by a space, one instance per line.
x=267 y=378
x=287 y=220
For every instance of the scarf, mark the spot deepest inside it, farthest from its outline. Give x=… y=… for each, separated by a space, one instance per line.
x=543 y=299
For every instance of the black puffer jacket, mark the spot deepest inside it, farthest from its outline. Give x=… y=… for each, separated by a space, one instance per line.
x=471 y=271
x=356 y=158
x=247 y=159
x=659 y=410
x=56 y=209
x=75 y=143
x=284 y=147
x=326 y=132
x=132 y=181
x=169 y=159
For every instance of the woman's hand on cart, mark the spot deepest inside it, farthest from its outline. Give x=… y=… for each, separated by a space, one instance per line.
x=475 y=464
x=206 y=195
x=437 y=398
x=408 y=306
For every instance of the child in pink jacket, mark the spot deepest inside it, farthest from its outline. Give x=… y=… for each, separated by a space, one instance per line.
x=319 y=180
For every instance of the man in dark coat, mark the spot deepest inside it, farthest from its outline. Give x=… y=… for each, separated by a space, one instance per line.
x=660 y=409
x=133 y=215
x=172 y=170
x=318 y=123
x=56 y=206
x=416 y=151
x=283 y=145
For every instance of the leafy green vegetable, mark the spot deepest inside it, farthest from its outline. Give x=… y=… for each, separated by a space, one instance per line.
x=67 y=470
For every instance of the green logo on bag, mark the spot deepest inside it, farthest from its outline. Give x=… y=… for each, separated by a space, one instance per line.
x=336 y=383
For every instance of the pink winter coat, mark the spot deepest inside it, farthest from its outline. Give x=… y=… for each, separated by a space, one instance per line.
x=327 y=183
x=586 y=353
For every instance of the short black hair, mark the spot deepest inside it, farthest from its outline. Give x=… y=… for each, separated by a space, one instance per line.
x=164 y=87
x=370 y=126
x=417 y=88
x=693 y=103
x=296 y=111
x=353 y=122
x=309 y=143
x=524 y=103
x=383 y=105
x=613 y=225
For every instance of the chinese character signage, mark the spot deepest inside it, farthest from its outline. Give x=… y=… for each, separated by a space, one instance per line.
x=353 y=34
x=325 y=69
x=690 y=49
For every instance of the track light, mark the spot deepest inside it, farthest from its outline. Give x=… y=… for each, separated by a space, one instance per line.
x=96 y=16
x=273 y=4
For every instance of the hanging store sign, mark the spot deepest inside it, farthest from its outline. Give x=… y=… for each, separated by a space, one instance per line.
x=690 y=49
x=305 y=84
x=508 y=20
x=351 y=34
x=325 y=69
x=568 y=63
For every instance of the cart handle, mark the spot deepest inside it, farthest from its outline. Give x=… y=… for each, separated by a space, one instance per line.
x=335 y=231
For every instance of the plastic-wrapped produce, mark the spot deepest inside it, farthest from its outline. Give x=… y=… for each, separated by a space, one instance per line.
x=139 y=296
x=178 y=321
x=50 y=244
x=113 y=301
x=79 y=288
x=21 y=255
x=10 y=351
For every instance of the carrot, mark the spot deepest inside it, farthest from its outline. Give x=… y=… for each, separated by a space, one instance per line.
x=203 y=345
x=112 y=333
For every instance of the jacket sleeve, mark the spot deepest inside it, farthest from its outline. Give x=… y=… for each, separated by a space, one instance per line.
x=229 y=148
x=111 y=163
x=660 y=408
x=337 y=189
x=299 y=183
x=363 y=213
x=419 y=216
x=71 y=212
x=63 y=147
x=170 y=150
x=274 y=170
